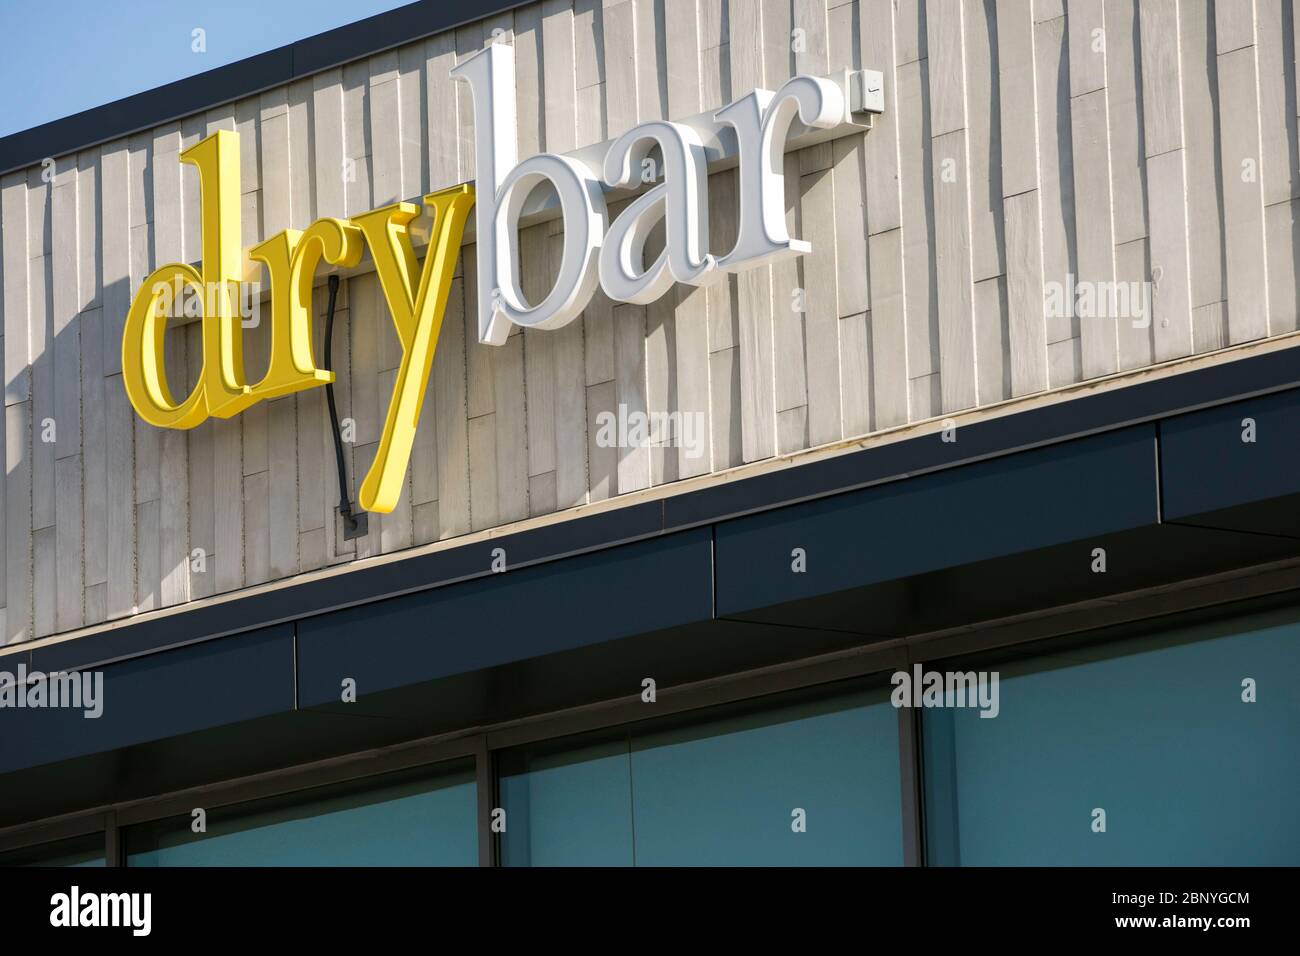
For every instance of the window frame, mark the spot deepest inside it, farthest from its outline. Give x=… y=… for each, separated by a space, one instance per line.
x=1222 y=597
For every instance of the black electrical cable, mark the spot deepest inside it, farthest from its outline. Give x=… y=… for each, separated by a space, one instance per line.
x=354 y=525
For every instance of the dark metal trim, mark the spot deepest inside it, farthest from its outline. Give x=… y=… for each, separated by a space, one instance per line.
x=56 y=829
x=114 y=845
x=909 y=773
x=485 y=789
x=293 y=779
x=672 y=701
x=242 y=78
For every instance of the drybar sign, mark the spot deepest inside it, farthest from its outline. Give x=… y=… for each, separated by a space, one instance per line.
x=753 y=130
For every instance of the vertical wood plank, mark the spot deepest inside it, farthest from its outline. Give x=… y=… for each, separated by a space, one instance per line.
x=13 y=213
x=358 y=194
x=1025 y=280
x=94 y=431
x=1243 y=173
x=602 y=455
x=442 y=106
x=629 y=392
x=881 y=162
x=119 y=442
x=651 y=55
x=778 y=42
x=1166 y=179
x=173 y=491
x=228 y=505
x=688 y=327
x=451 y=420
x=384 y=116
x=201 y=538
x=539 y=365
x=660 y=376
x=600 y=367
x=569 y=353
x=18 y=522
x=821 y=318
x=1027 y=332
x=282 y=478
x=1280 y=163
x=984 y=140
x=918 y=204
x=90 y=277
x=952 y=220
x=725 y=405
x=40 y=325
x=588 y=73
x=1123 y=90
x=1056 y=193
x=992 y=335
x=529 y=79
x=413 y=136
x=1128 y=173
x=754 y=286
x=511 y=430
x=44 y=571
x=1201 y=165
x=483 y=508
x=1098 y=333
x=620 y=66
x=1087 y=39
x=65 y=303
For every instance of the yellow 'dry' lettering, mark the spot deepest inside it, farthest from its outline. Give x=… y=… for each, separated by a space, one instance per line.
x=417 y=314
x=416 y=299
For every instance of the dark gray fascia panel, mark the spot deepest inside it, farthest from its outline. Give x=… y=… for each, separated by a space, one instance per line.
x=1036 y=499
x=160 y=696
x=508 y=617
x=1211 y=475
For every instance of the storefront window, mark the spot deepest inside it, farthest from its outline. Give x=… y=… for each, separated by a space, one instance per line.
x=407 y=819
x=80 y=851
x=812 y=783
x=1177 y=749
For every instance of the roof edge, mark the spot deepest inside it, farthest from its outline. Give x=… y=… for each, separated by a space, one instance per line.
x=241 y=79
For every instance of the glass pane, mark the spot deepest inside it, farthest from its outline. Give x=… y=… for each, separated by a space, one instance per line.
x=570 y=808
x=802 y=784
x=80 y=851
x=395 y=820
x=1153 y=732
x=727 y=793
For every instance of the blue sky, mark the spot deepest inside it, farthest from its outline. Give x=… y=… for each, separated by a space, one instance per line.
x=64 y=56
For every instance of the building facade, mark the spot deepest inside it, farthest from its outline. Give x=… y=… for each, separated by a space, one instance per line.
x=1025 y=404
